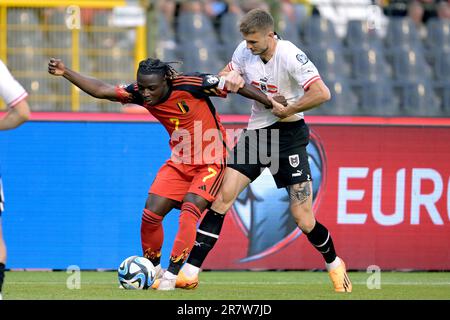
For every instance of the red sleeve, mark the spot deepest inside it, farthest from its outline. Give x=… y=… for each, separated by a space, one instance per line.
x=123 y=96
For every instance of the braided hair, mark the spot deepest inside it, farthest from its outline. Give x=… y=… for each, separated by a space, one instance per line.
x=152 y=66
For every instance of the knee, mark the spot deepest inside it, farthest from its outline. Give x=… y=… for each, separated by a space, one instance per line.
x=304 y=218
x=224 y=199
x=306 y=225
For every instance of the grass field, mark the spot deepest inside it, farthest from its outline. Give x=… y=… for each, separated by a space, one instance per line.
x=245 y=285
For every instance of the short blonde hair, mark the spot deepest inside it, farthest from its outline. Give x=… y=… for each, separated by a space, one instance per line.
x=256 y=20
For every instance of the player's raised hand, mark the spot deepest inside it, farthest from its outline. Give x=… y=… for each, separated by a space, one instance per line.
x=233 y=81
x=56 y=67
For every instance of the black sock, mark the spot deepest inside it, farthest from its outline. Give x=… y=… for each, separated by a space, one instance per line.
x=321 y=240
x=207 y=235
x=2 y=274
x=174 y=267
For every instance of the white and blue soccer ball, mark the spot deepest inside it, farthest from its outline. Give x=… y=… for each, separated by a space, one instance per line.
x=136 y=273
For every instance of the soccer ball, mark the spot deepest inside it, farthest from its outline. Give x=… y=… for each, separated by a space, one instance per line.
x=136 y=273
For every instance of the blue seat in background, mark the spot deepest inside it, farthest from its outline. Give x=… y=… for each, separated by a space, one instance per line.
x=360 y=36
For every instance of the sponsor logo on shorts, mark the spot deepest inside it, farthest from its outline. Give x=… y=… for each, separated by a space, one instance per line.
x=298 y=173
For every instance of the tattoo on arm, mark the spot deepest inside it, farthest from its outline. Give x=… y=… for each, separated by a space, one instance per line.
x=299 y=193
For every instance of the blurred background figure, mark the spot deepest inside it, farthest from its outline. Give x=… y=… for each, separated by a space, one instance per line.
x=416 y=13
x=443 y=10
x=380 y=41
x=254 y=4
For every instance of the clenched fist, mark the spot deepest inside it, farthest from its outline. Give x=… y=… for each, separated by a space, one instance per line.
x=233 y=81
x=56 y=67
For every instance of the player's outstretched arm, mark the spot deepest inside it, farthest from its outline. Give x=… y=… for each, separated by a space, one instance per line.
x=17 y=115
x=251 y=92
x=94 y=87
x=234 y=82
x=316 y=94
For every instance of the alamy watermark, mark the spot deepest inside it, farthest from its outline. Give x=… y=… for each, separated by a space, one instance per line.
x=74 y=279
x=374 y=280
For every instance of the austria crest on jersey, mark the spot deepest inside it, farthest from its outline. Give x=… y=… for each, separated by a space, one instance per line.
x=294 y=160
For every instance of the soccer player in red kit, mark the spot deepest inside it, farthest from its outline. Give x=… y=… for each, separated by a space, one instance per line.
x=191 y=178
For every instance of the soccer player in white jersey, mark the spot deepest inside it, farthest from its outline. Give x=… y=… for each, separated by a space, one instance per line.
x=277 y=67
x=14 y=96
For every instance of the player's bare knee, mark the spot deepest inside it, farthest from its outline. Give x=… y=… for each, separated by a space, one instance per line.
x=224 y=199
x=304 y=217
x=160 y=205
x=306 y=225
x=229 y=194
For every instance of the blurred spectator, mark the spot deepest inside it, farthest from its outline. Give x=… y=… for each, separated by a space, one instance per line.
x=402 y=7
x=215 y=10
x=192 y=6
x=430 y=9
x=297 y=11
x=168 y=8
x=87 y=16
x=248 y=5
x=416 y=13
x=53 y=15
x=303 y=9
x=443 y=10
x=234 y=7
x=394 y=8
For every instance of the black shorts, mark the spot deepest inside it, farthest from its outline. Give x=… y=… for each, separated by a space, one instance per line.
x=281 y=147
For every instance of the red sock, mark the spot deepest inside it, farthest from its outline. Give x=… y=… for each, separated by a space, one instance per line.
x=185 y=238
x=152 y=236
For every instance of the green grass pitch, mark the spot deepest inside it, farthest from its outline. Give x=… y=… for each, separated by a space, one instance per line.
x=245 y=285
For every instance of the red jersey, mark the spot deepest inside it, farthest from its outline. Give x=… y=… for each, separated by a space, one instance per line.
x=196 y=133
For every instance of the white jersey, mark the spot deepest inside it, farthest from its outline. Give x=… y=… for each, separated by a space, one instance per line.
x=10 y=90
x=288 y=73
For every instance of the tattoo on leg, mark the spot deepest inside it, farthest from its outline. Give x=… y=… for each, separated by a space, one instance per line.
x=299 y=193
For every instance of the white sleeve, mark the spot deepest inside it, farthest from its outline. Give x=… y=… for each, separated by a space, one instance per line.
x=302 y=69
x=10 y=90
x=237 y=62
